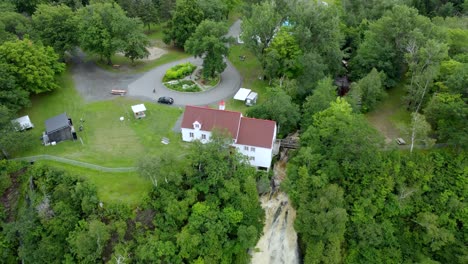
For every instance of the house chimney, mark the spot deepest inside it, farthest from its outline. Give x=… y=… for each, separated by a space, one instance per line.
x=222 y=105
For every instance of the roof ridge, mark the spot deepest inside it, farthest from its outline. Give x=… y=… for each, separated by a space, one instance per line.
x=253 y=118
x=214 y=109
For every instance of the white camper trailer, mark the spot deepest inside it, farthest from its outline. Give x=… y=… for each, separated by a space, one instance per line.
x=246 y=95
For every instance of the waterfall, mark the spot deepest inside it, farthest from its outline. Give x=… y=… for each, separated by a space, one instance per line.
x=278 y=244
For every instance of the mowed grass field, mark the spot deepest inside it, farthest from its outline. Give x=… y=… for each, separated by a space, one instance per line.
x=105 y=140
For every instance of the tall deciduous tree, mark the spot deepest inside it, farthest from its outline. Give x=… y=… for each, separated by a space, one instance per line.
x=447 y=113
x=282 y=56
x=56 y=27
x=258 y=30
x=369 y=90
x=13 y=96
x=387 y=41
x=209 y=42
x=104 y=29
x=323 y=95
x=216 y=10
x=34 y=67
x=185 y=19
x=278 y=107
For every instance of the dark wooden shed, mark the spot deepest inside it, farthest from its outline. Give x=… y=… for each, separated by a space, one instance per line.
x=59 y=128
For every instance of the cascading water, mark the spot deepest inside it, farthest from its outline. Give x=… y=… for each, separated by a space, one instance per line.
x=278 y=244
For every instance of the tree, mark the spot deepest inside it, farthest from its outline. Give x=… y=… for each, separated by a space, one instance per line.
x=323 y=95
x=136 y=42
x=216 y=10
x=278 y=107
x=369 y=90
x=104 y=29
x=418 y=131
x=259 y=29
x=12 y=96
x=209 y=41
x=282 y=56
x=423 y=63
x=185 y=20
x=35 y=67
x=16 y=24
x=447 y=114
x=389 y=39
x=144 y=9
x=56 y=27
x=88 y=239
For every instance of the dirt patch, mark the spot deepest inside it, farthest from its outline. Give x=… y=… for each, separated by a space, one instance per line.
x=10 y=197
x=154 y=53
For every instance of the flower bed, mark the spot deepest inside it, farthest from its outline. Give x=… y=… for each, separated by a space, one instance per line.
x=179 y=71
x=183 y=86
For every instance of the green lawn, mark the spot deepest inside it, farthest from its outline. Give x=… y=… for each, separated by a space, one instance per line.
x=127 y=187
x=250 y=70
x=391 y=114
x=107 y=141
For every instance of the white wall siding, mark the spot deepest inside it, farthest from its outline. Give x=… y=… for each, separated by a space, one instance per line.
x=197 y=135
x=262 y=156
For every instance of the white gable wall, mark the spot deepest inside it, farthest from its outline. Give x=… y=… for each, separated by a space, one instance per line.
x=261 y=156
x=197 y=135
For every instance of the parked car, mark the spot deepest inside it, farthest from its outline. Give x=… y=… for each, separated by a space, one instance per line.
x=166 y=100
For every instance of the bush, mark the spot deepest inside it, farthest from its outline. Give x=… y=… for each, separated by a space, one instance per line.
x=179 y=71
x=184 y=86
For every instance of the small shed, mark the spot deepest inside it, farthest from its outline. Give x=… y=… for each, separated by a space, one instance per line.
x=59 y=128
x=24 y=123
x=246 y=95
x=139 y=110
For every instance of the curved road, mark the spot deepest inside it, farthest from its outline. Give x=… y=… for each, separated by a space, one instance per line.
x=95 y=84
x=143 y=86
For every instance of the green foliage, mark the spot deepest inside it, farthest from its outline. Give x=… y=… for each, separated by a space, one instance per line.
x=323 y=95
x=145 y=10
x=185 y=20
x=215 y=10
x=399 y=31
x=104 y=29
x=209 y=42
x=34 y=66
x=179 y=71
x=447 y=113
x=88 y=240
x=282 y=56
x=278 y=107
x=207 y=208
x=12 y=141
x=369 y=91
x=15 y=25
x=12 y=96
x=56 y=27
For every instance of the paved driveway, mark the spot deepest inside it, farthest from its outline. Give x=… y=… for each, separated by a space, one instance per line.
x=151 y=81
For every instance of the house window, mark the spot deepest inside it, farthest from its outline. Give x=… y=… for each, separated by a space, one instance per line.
x=203 y=136
x=252 y=149
x=191 y=135
x=252 y=158
x=246 y=148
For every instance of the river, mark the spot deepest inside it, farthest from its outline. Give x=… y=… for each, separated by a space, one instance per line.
x=278 y=244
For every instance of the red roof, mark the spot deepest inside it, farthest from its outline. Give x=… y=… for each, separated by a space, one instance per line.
x=211 y=118
x=246 y=131
x=256 y=132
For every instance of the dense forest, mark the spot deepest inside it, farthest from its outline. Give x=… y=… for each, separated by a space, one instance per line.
x=359 y=197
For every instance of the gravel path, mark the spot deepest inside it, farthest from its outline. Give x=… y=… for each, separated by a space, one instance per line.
x=76 y=163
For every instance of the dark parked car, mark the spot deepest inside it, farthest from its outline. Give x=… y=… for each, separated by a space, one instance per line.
x=165 y=100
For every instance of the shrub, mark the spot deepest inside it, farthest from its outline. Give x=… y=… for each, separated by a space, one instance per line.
x=179 y=71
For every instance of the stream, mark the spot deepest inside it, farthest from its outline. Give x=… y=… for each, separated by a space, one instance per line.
x=278 y=244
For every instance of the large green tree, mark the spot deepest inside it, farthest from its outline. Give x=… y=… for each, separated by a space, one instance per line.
x=209 y=42
x=12 y=96
x=56 y=27
x=186 y=17
x=35 y=67
x=279 y=107
x=323 y=95
x=387 y=41
x=104 y=29
x=369 y=91
x=282 y=56
x=207 y=209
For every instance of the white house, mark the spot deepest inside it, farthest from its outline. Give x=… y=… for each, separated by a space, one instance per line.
x=255 y=138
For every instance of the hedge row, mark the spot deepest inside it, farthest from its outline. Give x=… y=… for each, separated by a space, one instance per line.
x=179 y=71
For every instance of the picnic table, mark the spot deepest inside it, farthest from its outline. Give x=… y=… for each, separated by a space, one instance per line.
x=118 y=92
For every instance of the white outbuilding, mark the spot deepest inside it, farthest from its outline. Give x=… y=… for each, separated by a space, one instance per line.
x=139 y=110
x=24 y=123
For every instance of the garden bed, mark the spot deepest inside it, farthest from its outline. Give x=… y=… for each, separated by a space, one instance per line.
x=179 y=71
x=183 y=86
